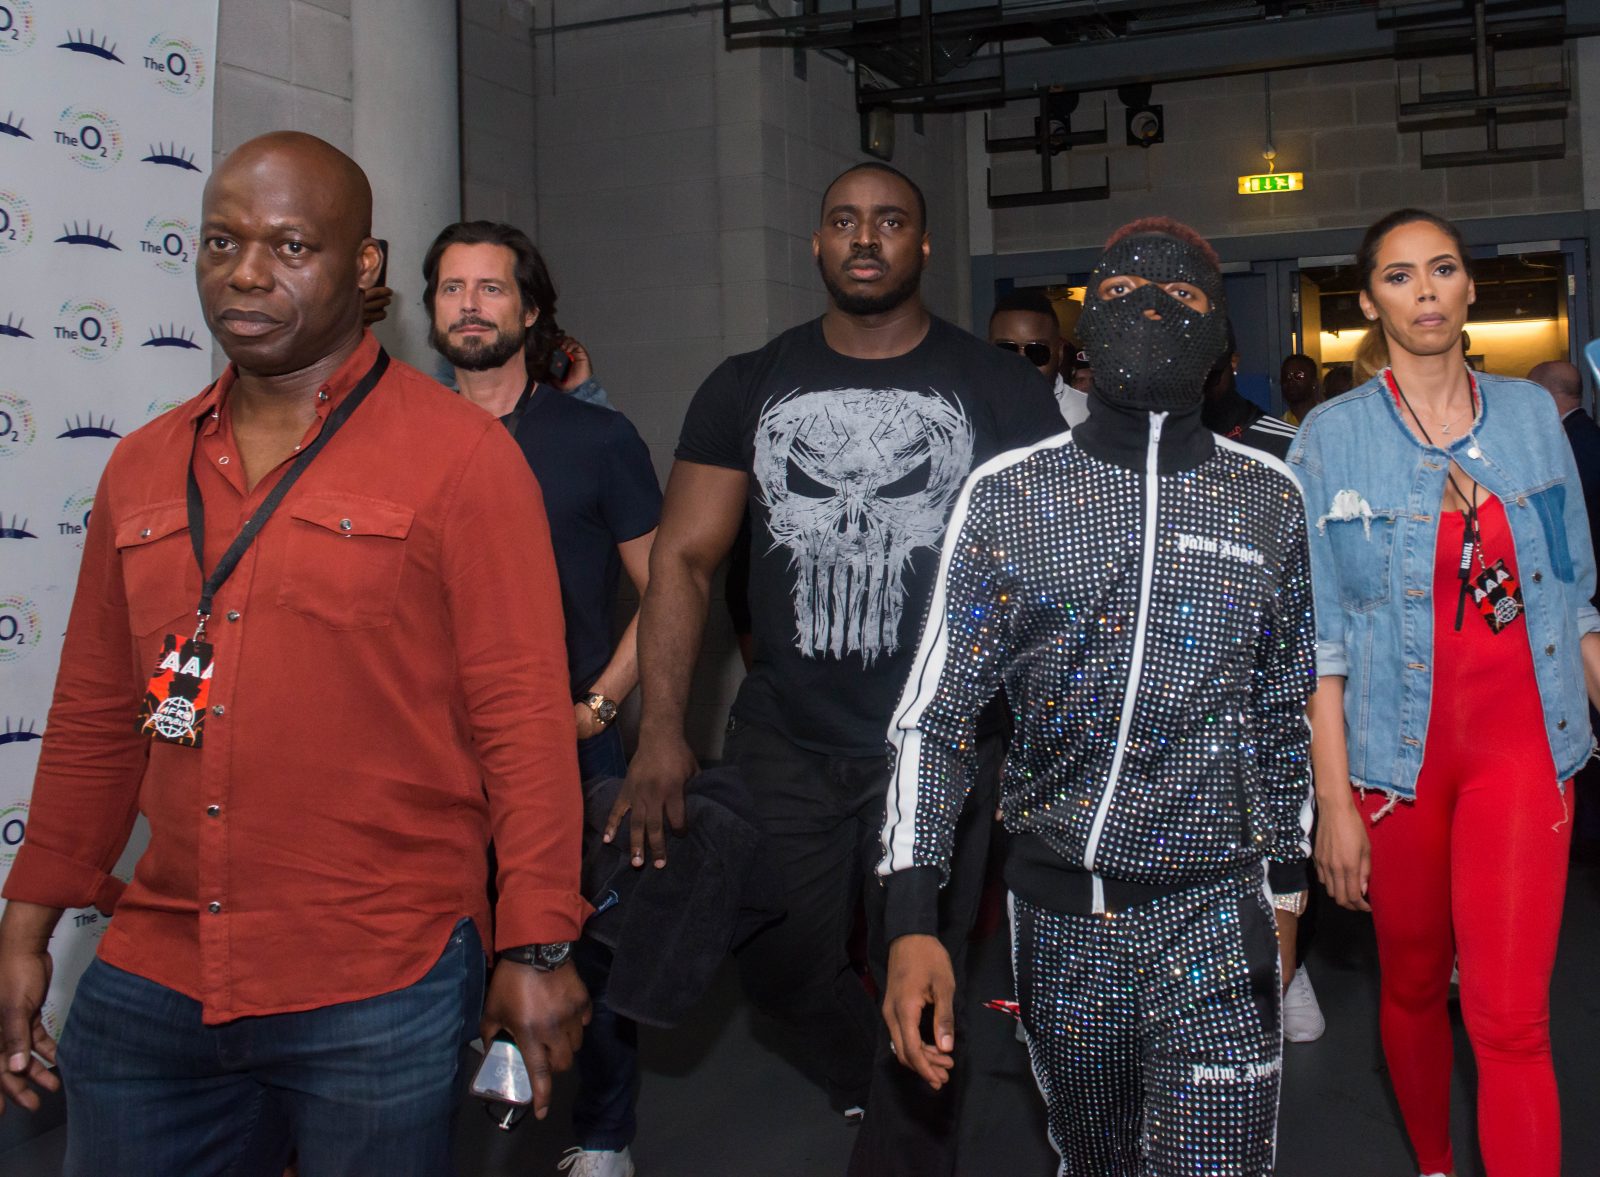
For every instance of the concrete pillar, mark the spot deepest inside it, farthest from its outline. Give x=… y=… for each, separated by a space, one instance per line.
x=1586 y=61
x=407 y=136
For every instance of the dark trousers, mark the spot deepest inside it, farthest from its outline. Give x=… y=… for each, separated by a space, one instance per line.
x=603 y=1114
x=824 y=815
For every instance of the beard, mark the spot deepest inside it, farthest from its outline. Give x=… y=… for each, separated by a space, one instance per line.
x=478 y=355
x=853 y=302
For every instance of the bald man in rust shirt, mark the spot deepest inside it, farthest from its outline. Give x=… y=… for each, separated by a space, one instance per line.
x=375 y=685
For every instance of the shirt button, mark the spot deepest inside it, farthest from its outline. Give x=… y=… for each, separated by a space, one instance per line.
x=214 y=908
x=1561 y=725
x=322 y=394
x=233 y=615
x=222 y=461
x=145 y=534
x=1522 y=501
x=213 y=810
x=345 y=525
x=1550 y=650
x=1537 y=577
x=219 y=710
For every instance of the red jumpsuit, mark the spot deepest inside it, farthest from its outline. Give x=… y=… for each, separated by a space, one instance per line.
x=1474 y=869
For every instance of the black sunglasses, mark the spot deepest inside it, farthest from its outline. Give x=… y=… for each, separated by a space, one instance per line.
x=1037 y=354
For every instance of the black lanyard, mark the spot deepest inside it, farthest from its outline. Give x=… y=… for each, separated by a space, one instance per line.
x=258 y=518
x=1471 y=540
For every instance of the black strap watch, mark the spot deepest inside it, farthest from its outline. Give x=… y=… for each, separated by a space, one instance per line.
x=547 y=958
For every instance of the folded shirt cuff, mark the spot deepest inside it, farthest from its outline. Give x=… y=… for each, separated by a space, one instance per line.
x=911 y=903
x=42 y=876
x=1332 y=660
x=539 y=917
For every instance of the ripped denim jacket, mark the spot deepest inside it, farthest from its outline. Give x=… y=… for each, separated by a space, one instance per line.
x=1372 y=493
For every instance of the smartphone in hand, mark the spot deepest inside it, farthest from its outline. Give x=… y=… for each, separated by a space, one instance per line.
x=502 y=1082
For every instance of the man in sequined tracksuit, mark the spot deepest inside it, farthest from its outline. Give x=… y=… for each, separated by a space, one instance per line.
x=1141 y=588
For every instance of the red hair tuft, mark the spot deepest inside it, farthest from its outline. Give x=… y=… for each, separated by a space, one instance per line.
x=1167 y=227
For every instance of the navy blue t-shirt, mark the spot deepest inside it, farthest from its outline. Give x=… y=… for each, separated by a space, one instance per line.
x=600 y=490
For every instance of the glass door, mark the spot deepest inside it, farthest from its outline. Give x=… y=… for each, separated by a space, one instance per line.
x=1528 y=296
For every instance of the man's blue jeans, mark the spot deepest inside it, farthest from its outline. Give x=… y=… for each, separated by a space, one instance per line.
x=363 y=1087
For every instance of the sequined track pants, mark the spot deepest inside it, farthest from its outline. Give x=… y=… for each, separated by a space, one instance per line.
x=1155 y=1033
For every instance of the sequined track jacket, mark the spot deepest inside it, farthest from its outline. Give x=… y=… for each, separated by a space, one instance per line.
x=1147 y=607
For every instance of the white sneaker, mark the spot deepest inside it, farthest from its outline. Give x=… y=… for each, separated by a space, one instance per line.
x=1302 y=1017
x=594 y=1162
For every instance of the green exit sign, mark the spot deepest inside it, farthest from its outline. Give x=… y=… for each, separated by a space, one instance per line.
x=1271 y=182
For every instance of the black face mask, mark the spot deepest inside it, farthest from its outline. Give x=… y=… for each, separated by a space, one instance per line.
x=1153 y=364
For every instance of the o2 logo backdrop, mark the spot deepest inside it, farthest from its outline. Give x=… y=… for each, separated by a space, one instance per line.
x=17 y=428
x=13 y=829
x=105 y=147
x=170 y=242
x=161 y=405
x=16 y=26
x=74 y=522
x=90 y=327
x=177 y=64
x=90 y=136
x=16 y=223
x=19 y=628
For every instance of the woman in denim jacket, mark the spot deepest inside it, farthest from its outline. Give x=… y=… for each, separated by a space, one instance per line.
x=1455 y=646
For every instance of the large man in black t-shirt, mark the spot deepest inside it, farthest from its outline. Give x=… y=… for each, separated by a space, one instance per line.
x=847 y=439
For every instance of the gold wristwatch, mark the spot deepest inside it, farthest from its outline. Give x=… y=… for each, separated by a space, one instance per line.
x=605 y=710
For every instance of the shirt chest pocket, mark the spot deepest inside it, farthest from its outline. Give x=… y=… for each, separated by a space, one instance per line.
x=1363 y=554
x=343 y=559
x=159 y=576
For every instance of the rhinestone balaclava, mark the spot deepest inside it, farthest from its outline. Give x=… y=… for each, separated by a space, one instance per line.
x=1153 y=364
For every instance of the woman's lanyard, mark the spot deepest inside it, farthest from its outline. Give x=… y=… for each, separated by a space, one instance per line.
x=1494 y=589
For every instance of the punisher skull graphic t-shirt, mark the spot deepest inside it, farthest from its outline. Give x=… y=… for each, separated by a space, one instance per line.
x=854 y=468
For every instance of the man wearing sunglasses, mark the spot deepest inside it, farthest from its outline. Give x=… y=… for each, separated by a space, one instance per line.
x=1024 y=321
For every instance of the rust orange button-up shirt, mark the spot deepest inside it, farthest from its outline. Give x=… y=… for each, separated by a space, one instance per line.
x=390 y=691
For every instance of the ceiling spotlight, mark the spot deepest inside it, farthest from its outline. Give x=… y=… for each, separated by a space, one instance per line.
x=1146 y=125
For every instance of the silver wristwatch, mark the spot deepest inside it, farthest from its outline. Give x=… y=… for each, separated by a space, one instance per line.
x=547 y=958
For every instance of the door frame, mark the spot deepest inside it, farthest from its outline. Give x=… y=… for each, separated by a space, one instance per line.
x=1280 y=256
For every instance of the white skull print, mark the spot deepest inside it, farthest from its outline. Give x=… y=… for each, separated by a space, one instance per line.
x=854 y=481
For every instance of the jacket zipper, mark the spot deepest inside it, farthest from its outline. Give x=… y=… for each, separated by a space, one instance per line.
x=1136 y=667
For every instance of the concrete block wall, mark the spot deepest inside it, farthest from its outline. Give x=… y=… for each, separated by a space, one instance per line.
x=648 y=184
x=1334 y=123
x=811 y=132
x=282 y=64
x=497 y=154
x=673 y=186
